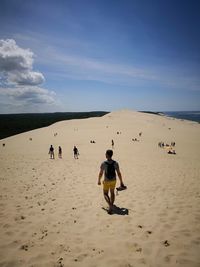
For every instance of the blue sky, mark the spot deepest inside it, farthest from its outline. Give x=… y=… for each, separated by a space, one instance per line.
x=81 y=55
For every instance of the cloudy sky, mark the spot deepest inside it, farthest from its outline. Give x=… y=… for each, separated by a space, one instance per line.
x=81 y=55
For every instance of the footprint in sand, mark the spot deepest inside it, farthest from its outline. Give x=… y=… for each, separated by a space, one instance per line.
x=98 y=251
x=44 y=234
x=24 y=247
x=20 y=218
x=168 y=258
x=139 y=249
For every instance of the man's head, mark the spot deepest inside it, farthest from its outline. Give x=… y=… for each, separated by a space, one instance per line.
x=109 y=154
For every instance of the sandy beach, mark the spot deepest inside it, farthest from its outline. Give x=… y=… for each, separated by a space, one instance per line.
x=52 y=212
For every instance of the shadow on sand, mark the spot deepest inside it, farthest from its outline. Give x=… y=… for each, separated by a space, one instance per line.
x=118 y=210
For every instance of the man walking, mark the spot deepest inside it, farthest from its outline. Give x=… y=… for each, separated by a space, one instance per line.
x=109 y=169
x=76 y=153
x=51 y=152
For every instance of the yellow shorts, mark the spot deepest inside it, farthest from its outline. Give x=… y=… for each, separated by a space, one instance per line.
x=109 y=185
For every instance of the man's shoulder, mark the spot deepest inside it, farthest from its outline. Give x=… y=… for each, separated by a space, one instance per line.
x=103 y=163
x=111 y=162
x=116 y=164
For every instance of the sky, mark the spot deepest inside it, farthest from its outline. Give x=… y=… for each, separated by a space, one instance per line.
x=87 y=55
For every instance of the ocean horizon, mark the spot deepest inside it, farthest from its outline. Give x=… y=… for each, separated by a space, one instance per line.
x=184 y=115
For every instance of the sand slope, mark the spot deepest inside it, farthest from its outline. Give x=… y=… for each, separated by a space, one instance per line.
x=51 y=210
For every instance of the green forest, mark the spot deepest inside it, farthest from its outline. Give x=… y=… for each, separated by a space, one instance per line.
x=11 y=124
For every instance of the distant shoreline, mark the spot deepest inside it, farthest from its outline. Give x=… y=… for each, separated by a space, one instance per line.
x=181 y=115
x=153 y=112
x=184 y=115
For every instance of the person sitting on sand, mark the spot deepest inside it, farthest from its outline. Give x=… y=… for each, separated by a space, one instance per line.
x=76 y=153
x=51 y=152
x=171 y=151
x=109 y=168
x=60 y=152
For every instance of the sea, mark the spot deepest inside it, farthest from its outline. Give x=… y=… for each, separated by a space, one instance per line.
x=184 y=115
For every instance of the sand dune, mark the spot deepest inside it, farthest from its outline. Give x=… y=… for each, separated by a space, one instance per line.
x=51 y=210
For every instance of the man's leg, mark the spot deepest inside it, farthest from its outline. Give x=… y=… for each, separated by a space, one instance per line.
x=112 y=197
x=106 y=196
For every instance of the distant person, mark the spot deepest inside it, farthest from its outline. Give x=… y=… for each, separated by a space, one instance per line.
x=76 y=153
x=112 y=142
x=109 y=169
x=173 y=143
x=51 y=152
x=160 y=144
x=60 y=152
x=140 y=134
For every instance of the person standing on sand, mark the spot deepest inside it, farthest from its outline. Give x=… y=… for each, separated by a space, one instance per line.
x=109 y=168
x=51 y=152
x=112 y=143
x=60 y=152
x=76 y=153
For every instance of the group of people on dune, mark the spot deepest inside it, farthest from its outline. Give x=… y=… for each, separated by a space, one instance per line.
x=52 y=154
x=170 y=148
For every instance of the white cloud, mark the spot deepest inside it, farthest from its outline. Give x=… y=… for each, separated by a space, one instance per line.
x=12 y=57
x=16 y=64
x=25 y=78
x=32 y=95
x=20 y=85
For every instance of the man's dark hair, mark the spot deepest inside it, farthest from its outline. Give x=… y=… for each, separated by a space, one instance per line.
x=109 y=153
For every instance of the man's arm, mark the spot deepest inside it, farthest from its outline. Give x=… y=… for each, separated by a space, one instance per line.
x=100 y=176
x=120 y=176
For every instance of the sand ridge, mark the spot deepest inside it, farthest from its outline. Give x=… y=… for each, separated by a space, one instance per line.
x=51 y=210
